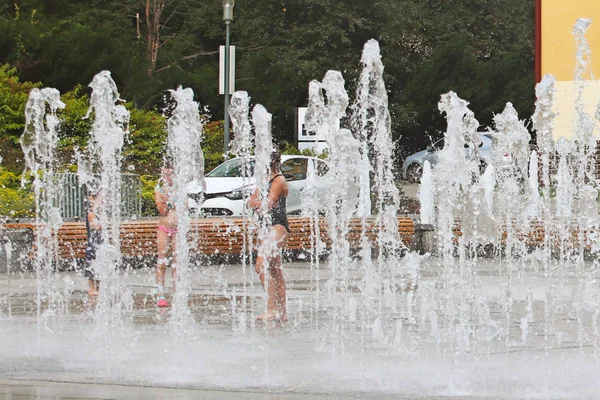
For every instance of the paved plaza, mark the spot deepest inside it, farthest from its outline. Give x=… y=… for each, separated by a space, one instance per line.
x=329 y=348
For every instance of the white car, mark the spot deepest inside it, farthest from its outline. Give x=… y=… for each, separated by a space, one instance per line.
x=226 y=187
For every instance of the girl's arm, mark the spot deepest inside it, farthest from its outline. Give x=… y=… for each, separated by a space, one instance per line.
x=279 y=188
x=254 y=200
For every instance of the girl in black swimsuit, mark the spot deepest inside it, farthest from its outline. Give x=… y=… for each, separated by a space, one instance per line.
x=278 y=214
x=269 y=253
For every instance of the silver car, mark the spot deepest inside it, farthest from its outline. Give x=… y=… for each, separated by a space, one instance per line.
x=412 y=168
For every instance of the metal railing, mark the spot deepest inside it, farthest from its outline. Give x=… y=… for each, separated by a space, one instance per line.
x=71 y=196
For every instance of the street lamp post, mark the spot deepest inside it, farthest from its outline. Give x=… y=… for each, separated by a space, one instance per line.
x=227 y=17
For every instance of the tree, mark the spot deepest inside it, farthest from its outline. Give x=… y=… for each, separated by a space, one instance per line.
x=151 y=46
x=13 y=98
x=481 y=82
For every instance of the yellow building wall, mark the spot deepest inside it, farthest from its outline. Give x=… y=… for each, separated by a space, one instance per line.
x=558 y=50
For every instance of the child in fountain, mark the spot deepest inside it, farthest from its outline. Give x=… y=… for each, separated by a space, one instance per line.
x=94 y=239
x=166 y=232
x=269 y=253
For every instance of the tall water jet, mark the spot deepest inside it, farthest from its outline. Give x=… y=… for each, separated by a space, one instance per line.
x=315 y=120
x=458 y=198
x=586 y=187
x=565 y=189
x=311 y=206
x=375 y=122
x=262 y=170
x=343 y=152
x=426 y=195
x=454 y=171
x=39 y=142
x=533 y=208
x=583 y=136
x=510 y=155
x=108 y=133
x=339 y=204
x=241 y=146
x=185 y=134
x=543 y=123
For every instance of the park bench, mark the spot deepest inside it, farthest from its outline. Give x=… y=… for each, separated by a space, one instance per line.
x=210 y=236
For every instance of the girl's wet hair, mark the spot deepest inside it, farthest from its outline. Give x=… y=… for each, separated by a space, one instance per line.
x=275 y=159
x=91 y=189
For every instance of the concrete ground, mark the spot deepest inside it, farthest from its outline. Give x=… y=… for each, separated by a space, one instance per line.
x=40 y=390
x=477 y=329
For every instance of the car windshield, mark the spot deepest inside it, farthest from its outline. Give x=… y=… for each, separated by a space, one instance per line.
x=231 y=169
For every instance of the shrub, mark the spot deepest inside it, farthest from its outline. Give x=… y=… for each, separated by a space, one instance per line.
x=148 y=205
x=147 y=138
x=15 y=202
x=212 y=145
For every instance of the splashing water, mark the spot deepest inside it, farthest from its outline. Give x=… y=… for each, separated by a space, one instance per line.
x=241 y=146
x=543 y=121
x=263 y=148
x=262 y=170
x=468 y=324
x=375 y=116
x=311 y=206
x=426 y=195
x=339 y=204
x=108 y=133
x=185 y=133
x=39 y=142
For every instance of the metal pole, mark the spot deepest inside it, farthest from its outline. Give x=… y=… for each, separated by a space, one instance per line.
x=227 y=66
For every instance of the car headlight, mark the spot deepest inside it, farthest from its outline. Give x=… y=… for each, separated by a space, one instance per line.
x=240 y=193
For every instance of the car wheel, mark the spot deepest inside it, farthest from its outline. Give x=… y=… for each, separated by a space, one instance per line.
x=414 y=173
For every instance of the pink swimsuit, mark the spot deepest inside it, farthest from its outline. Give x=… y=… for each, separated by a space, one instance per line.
x=169 y=231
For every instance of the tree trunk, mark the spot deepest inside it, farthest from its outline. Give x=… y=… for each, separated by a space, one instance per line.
x=154 y=10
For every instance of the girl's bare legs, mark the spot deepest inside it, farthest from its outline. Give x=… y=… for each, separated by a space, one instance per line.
x=173 y=241
x=260 y=268
x=162 y=241
x=277 y=290
x=270 y=257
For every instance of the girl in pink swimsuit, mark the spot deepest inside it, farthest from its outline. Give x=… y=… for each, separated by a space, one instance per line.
x=166 y=232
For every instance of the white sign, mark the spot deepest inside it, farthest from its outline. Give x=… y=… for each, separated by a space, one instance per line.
x=308 y=139
x=222 y=69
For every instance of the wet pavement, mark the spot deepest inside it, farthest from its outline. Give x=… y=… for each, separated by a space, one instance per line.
x=32 y=390
x=500 y=331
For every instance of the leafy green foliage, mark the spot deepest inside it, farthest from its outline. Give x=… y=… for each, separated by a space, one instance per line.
x=147 y=138
x=148 y=204
x=13 y=98
x=288 y=148
x=74 y=128
x=212 y=145
x=15 y=202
